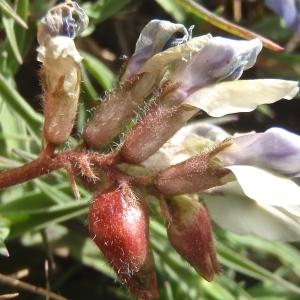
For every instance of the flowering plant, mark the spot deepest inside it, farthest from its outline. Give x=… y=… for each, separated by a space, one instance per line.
x=137 y=150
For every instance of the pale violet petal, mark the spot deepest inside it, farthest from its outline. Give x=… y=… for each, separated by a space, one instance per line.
x=240 y=215
x=267 y=187
x=241 y=96
x=275 y=149
x=219 y=59
x=183 y=52
x=151 y=41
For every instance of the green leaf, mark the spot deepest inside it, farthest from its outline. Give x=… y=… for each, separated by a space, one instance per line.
x=10 y=33
x=174 y=9
x=102 y=74
x=10 y=12
x=102 y=10
x=11 y=129
x=20 y=106
x=37 y=219
x=285 y=252
x=4 y=232
x=241 y=264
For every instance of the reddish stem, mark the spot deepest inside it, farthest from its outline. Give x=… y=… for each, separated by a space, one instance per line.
x=46 y=164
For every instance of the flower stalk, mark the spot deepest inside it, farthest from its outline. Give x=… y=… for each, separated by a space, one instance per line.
x=170 y=78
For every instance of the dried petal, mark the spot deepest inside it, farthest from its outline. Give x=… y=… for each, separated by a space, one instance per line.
x=60 y=72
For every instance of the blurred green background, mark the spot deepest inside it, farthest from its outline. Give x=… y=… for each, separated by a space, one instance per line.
x=41 y=220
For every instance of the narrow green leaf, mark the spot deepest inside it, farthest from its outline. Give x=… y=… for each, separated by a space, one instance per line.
x=55 y=195
x=21 y=33
x=37 y=219
x=242 y=264
x=4 y=232
x=216 y=291
x=285 y=252
x=102 y=10
x=174 y=9
x=13 y=129
x=10 y=33
x=102 y=74
x=9 y=11
x=19 y=104
x=89 y=90
x=223 y=24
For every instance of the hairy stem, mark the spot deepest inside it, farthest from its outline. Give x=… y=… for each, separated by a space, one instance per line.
x=46 y=164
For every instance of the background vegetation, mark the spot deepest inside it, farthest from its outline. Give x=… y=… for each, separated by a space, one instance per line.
x=41 y=220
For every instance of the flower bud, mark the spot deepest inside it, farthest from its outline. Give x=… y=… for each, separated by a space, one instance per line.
x=60 y=71
x=190 y=176
x=152 y=131
x=119 y=226
x=112 y=115
x=190 y=234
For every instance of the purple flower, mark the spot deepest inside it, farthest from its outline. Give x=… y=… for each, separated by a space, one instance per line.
x=220 y=59
x=288 y=10
x=275 y=149
x=209 y=80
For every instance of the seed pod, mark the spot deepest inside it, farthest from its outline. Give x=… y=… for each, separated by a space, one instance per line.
x=190 y=234
x=119 y=226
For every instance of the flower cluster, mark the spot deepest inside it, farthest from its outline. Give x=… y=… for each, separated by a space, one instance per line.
x=193 y=74
x=169 y=78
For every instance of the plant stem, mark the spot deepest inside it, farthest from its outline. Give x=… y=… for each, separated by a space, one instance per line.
x=29 y=287
x=46 y=164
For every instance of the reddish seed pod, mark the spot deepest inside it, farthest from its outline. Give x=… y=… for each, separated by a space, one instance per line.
x=190 y=234
x=119 y=226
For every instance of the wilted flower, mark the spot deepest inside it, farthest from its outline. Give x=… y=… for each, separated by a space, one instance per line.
x=157 y=36
x=60 y=72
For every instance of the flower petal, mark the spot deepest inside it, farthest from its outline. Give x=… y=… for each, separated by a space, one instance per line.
x=267 y=187
x=287 y=10
x=275 y=149
x=152 y=40
x=172 y=55
x=240 y=215
x=217 y=60
x=241 y=96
